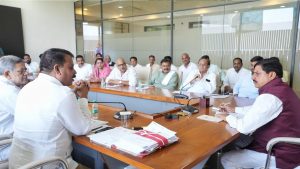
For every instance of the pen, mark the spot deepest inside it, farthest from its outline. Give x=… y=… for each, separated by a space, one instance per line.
x=97 y=128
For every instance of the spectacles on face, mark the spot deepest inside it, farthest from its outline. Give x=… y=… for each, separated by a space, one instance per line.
x=121 y=65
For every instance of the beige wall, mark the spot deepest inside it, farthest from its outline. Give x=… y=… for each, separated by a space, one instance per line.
x=46 y=24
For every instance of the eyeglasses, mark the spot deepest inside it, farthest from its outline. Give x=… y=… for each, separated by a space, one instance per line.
x=123 y=64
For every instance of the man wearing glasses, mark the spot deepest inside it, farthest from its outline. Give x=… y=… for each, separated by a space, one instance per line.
x=121 y=75
x=13 y=76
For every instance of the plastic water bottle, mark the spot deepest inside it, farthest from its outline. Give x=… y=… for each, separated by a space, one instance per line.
x=103 y=83
x=95 y=110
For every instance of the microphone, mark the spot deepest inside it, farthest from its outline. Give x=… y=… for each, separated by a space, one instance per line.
x=189 y=108
x=183 y=96
x=117 y=114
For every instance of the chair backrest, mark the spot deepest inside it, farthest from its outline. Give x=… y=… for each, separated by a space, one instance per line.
x=5 y=141
x=272 y=142
x=52 y=162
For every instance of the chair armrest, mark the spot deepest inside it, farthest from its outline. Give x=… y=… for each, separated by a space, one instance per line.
x=5 y=136
x=46 y=161
x=5 y=142
x=290 y=140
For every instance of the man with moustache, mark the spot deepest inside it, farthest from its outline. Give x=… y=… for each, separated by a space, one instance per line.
x=121 y=75
x=234 y=74
x=200 y=80
x=165 y=78
x=48 y=113
x=275 y=113
x=13 y=76
x=32 y=67
x=245 y=86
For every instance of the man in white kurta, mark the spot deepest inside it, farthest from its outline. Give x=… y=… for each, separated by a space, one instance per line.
x=200 y=81
x=121 y=75
x=152 y=67
x=32 y=67
x=83 y=70
x=48 y=114
x=13 y=75
x=186 y=67
x=136 y=67
x=234 y=74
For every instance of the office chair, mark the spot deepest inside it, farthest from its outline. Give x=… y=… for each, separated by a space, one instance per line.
x=5 y=141
x=51 y=162
x=272 y=142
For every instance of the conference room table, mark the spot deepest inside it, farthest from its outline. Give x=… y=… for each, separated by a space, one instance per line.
x=198 y=139
x=149 y=100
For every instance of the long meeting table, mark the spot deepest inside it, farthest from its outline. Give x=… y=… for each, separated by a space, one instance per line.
x=198 y=139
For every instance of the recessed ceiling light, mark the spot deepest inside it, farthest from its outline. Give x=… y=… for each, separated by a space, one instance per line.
x=121 y=15
x=236 y=11
x=282 y=6
x=85 y=23
x=85 y=9
x=168 y=16
x=202 y=15
x=120 y=7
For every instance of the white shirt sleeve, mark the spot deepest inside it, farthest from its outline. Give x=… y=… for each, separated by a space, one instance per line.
x=265 y=108
x=111 y=75
x=71 y=117
x=132 y=77
x=226 y=79
x=211 y=85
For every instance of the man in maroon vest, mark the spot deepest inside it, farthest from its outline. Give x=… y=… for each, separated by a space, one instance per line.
x=275 y=113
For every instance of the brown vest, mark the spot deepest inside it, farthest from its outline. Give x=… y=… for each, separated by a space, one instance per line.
x=287 y=124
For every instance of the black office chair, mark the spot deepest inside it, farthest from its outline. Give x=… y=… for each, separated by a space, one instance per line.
x=272 y=142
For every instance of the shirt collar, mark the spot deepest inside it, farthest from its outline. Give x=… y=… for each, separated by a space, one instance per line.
x=49 y=78
x=5 y=80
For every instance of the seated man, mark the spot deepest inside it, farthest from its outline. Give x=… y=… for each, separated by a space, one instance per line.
x=121 y=75
x=47 y=112
x=186 y=67
x=165 y=78
x=13 y=76
x=32 y=67
x=108 y=62
x=83 y=70
x=275 y=113
x=200 y=80
x=136 y=67
x=173 y=67
x=245 y=86
x=234 y=74
x=152 y=66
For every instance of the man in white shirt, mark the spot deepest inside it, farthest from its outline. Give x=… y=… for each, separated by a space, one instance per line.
x=152 y=66
x=48 y=113
x=83 y=70
x=245 y=86
x=13 y=76
x=234 y=74
x=186 y=67
x=173 y=67
x=32 y=67
x=275 y=113
x=121 y=75
x=136 y=67
x=200 y=80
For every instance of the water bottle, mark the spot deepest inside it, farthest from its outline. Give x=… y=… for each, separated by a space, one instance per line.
x=102 y=83
x=95 y=111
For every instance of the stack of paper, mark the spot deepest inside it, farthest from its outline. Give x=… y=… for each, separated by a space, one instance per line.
x=137 y=143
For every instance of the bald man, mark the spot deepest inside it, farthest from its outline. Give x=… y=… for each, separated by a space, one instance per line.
x=122 y=75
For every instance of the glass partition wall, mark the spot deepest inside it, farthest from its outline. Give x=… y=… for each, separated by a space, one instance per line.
x=221 y=29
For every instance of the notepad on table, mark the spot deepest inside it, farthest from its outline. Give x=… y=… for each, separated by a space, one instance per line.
x=209 y=118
